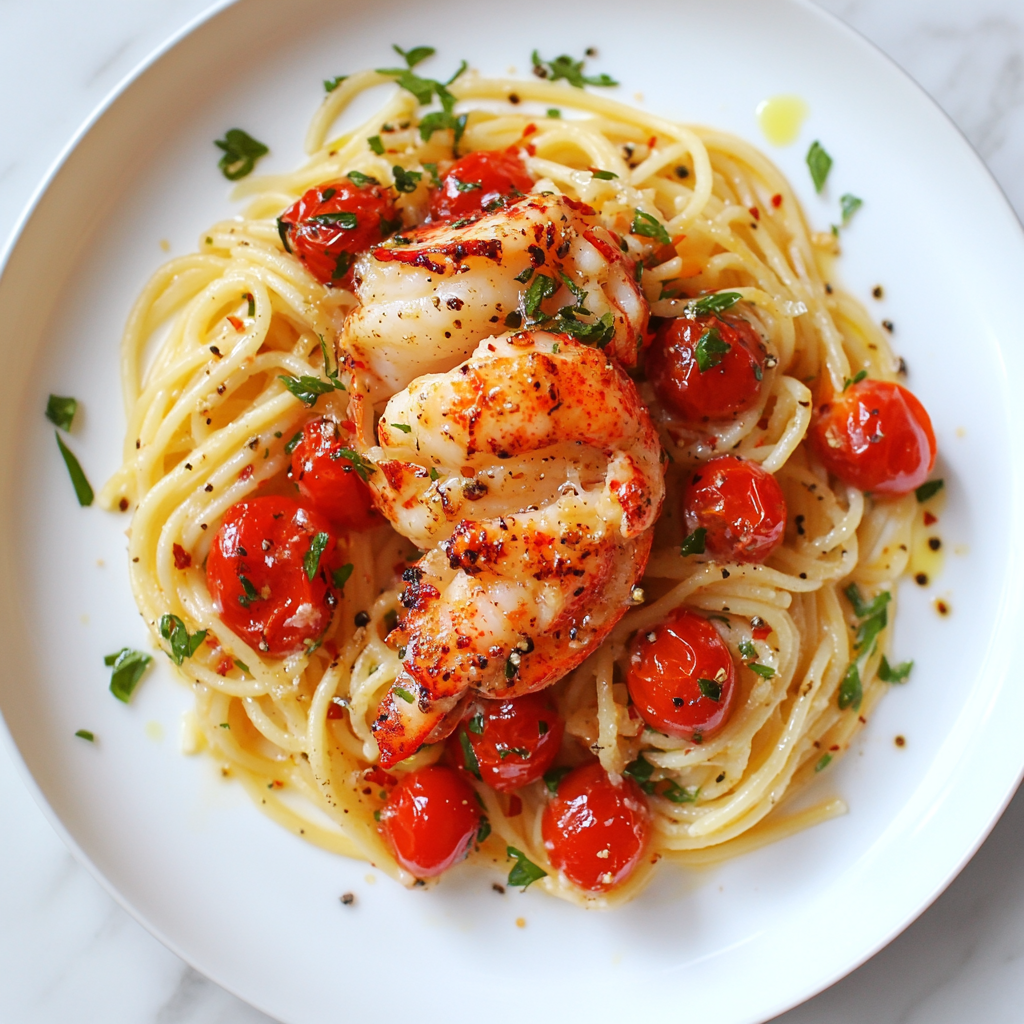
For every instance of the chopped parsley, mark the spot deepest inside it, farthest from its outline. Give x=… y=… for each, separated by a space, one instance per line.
x=311 y=563
x=680 y=794
x=849 y=205
x=710 y=349
x=403 y=427
x=362 y=466
x=434 y=475
x=694 y=544
x=128 y=666
x=376 y=145
x=416 y=55
x=183 y=644
x=340 y=576
x=894 y=673
x=604 y=175
x=717 y=302
x=406 y=181
x=553 y=776
x=553 y=112
x=293 y=443
x=330 y=84
x=241 y=151
x=476 y=724
x=86 y=735
x=344 y=219
x=873 y=619
x=819 y=163
x=542 y=287
x=359 y=179
x=855 y=379
x=525 y=275
x=649 y=226
x=525 y=872
x=249 y=592
x=598 y=333
x=484 y=830
x=401 y=691
x=765 y=671
x=641 y=770
x=469 y=755
x=307 y=389
x=569 y=69
x=83 y=490
x=747 y=649
x=711 y=689
x=432 y=168
x=929 y=489
x=823 y=762
x=466 y=186
x=61 y=411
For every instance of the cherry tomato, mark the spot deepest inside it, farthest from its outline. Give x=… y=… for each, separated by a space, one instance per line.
x=681 y=677
x=513 y=742
x=730 y=381
x=739 y=504
x=328 y=481
x=595 y=830
x=257 y=577
x=430 y=820
x=476 y=181
x=331 y=224
x=877 y=436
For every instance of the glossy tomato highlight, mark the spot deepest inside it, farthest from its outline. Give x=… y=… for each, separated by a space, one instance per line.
x=681 y=677
x=430 y=820
x=877 y=436
x=596 y=830
x=256 y=573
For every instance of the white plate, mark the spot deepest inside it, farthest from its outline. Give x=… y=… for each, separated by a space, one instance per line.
x=256 y=909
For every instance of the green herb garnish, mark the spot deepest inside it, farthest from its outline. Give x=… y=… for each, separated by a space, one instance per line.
x=340 y=576
x=401 y=691
x=823 y=762
x=929 y=489
x=747 y=649
x=649 y=226
x=344 y=219
x=894 y=673
x=694 y=544
x=306 y=389
x=640 y=770
x=293 y=443
x=376 y=145
x=61 y=411
x=183 y=644
x=765 y=671
x=403 y=427
x=604 y=175
x=711 y=689
x=542 y=287
x=406 y=181
x=525 y=872
x=681 y=794
x=849 y=205
x=241 y=151
x=330 y=84
x=569 y=69
x=469 y=755
x=855 y=379
x=553 y=776
x=819 y=163
x=249 y=592
x=360 y=180
x=476 y=724
x=311 y=563
x=83 y=491
x=416 y=55
x=710 y=349
x=362 y=466
x=86 y=735
x=873 y=618
x=717 y=302
x=128 y=666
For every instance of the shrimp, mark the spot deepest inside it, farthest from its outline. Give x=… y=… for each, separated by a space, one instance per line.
x=429 y=295
x=532 y=475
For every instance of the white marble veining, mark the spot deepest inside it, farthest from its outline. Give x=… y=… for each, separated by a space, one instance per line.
x=68 y=953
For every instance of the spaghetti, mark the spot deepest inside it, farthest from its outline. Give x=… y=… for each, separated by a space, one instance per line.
x=211 y=424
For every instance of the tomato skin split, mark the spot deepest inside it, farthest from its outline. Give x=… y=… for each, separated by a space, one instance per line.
x=666 y=667
x=517 y=742
x=430 y=820
x=264 y=541
x=596 y=831
x=328 y=481
x=875 y=435
x=718 y=392
x=739 y=504
x=333 y=223
x=498 y=173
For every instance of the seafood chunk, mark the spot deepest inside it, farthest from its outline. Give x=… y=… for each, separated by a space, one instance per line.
x=532 y=474
x=428 y=296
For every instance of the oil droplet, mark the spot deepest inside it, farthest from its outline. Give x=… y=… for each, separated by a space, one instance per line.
x=926 y=547
x=781 y=118
x=371 y=879
x=155 y=731
x=165 y=245
x=520 y=922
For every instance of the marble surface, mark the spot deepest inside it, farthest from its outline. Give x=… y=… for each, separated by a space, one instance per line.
x=69 y=953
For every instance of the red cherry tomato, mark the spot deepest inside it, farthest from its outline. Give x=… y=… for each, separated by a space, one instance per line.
x=877 y=436
x=257 y=577
x=681 y=677
x=595 y=830
x=512 y=742
x=476 y=181
x=739 y=504
x=430 y=820
x=731 y=385
x=328 y=481
x=331 y=224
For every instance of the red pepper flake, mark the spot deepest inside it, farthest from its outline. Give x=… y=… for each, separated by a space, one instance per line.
x=929 y=519
x=331 y=648
x=275 y=784
x=761 y=632
x=182 y=559
x=468 y=471
x=652 y=142
x=777 y=200
x=224 y=666
x=348 y=425
x=529 y=129
x=515 y=806
x=531 y=149
x=246 y=473
x=678 y=239
x=335 y=711
x=755 y=213
x=212 y=641
x=378 y=776
x=236 y=323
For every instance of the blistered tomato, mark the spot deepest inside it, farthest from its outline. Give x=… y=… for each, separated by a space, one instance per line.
x=327 y=480
x=257 y=573
x=706 y=368
x=596 y=830
x=332 y=224
x=509 y=743
x=739 y=505
x=478 y=181
x=877 y=436
x=430 y=820
x=681 y=677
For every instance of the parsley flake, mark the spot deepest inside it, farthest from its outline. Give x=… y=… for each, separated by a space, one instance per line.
x=469 y=755
x=819 y=163
x=241 y=151
x=717 y=302
x=710 y=349
x=711 y=689
x=330 y=84
x=694 y=544
x=364 y=467
x=128 y=666
x=525 y=872
x=340 y=576
x=376 y=145
x=83 y=489
x=894 y=673
x=61 y=411
x=183 y=644
x=929 y=489
x=569 y=69
x=403 y=427
x=86 y=735
x=849 y=205
x=649 y=226
x=311 y=563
